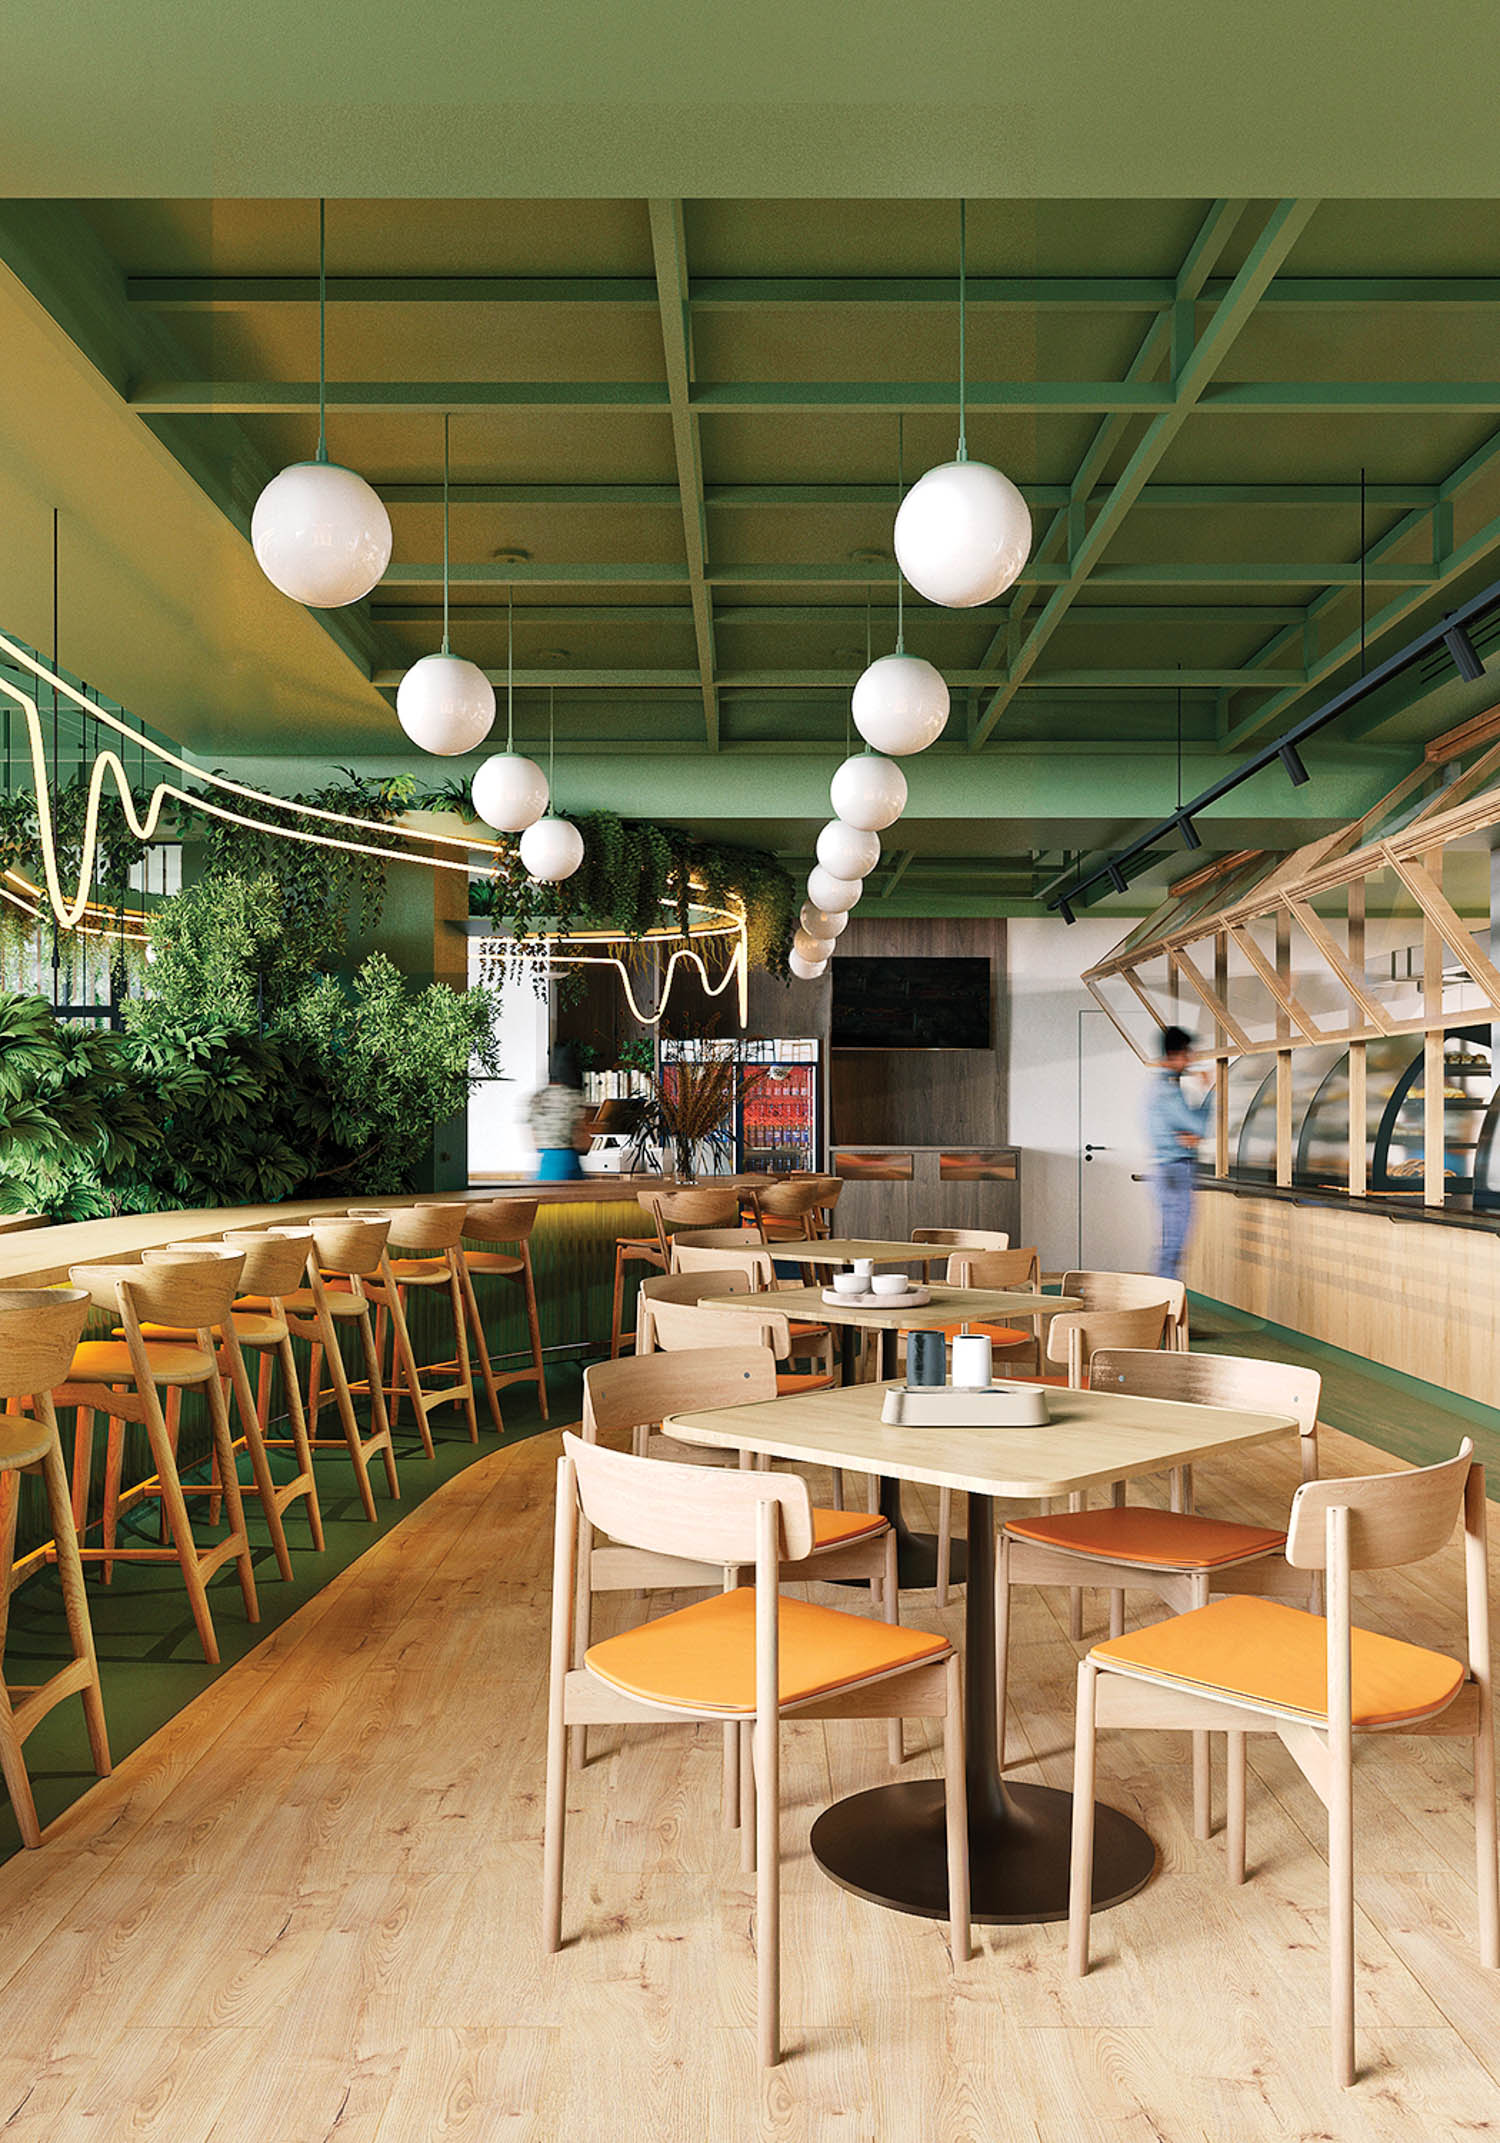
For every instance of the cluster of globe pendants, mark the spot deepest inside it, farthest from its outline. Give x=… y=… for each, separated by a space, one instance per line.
x=963 y=534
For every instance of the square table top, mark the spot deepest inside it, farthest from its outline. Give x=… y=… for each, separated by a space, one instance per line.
x=844 y=1249
x=949 y=1305
x=1093 y=1437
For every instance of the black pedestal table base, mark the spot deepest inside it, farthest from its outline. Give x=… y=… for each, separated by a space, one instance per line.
x=889 y=1844
x=916 y=1553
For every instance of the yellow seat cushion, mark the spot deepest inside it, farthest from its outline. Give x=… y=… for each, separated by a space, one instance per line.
x=835 y=1529
x=419 y=1272
x=1276 y=1655
x=702 y=1658
x=342 y=1302
x=107 y=1361
x=998 y=1335
x=790 y=1381
x=251 y=1328
x=499 y=1261
x=1163 y=1540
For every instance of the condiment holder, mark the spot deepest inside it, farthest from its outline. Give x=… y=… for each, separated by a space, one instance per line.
x=1002 y=1406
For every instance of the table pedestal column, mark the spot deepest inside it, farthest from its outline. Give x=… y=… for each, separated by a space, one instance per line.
x=889 y=1845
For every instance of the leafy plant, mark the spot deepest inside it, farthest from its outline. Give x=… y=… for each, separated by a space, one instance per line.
x=692 y=1103
x=79 y=1120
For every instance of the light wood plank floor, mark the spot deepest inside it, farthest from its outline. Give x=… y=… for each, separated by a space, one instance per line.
x=307 y=1909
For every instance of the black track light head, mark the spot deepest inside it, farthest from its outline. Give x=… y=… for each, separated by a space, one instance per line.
x=1465 y=655
x=1115 y=875
x=1065 y=910
x=1291 y=759
x=1191 y=838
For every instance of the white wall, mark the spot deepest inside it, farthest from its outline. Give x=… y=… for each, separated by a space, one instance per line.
x=1046 y=957
x=500 y=1143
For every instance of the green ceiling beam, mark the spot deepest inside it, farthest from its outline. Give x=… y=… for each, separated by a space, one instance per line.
x=1171 y=573
x=842 y=680
x=901 y=864
x=851 y=615
x=1099 y=293
x=737 y=497
x=1193 y=374
x=669 y=252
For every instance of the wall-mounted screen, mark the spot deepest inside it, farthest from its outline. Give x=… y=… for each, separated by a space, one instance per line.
x=910 y=1004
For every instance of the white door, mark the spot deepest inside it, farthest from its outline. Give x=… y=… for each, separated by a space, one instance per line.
x=1116 y=1216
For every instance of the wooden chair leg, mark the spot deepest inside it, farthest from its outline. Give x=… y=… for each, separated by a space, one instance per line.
x=260 y=1463
x=12 y=1761
x=461 y=1337
x=838 y=1488
x=747 y=1796
x=616 y=1336
x=944 y=1544
x=955 y=1804
x=299 y=1429
x=70 y=1581
x=1203 y=1781
x=533 y=1326
x=344 y=1399
x=1234 y=1807
x=1081 y=1873
x=223 y=1437
x=179 y=1529
x=377 y=1406
x=83 y=1461
x=731 y=1788
x=481 y=1343
x=315 y=1387
x=767 y=1733
x=114 y=1460
x=401 y=1332
x=1076 y=1502
x=1117 y=1611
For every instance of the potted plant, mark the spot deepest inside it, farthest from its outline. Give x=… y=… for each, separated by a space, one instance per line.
x=693 y=1103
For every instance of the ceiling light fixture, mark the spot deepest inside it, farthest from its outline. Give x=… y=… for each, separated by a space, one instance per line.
x=320 y=534
x=551 y=848
x=868 y=791
x=1465 y=655
x=963 y=531
x=510 y=791
x=848 y=851
x=445 y=703
x=1291 y=759
x=826 y=889
x=900 y=702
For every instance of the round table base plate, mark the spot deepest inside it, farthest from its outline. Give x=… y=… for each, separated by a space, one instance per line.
x=889 y=1845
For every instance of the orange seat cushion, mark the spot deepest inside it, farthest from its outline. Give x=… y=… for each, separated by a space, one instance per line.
x=999 y=1335
x=835 y=1529
x=799 y=1330
x=790 y=1381
x=107 y=1361
x=702 y=1658
x=420 y=1272
x=251 y=1328
x=1276 y=1655
x=1161 y=1540
x=342 y=1302
x=498 y=1261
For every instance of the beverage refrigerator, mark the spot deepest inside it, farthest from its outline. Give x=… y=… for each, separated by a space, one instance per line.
x=778 y=1112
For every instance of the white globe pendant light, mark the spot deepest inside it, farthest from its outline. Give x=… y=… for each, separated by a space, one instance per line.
x=319 y=533
x=445 y=704
x=811 y=948
x=963 y=531
x=806 y=970
x=848 y=851
x=900 y=704
x=825 y=890
x=510 y=791
x=551 y=850
x=868 y=791
x=824 y=922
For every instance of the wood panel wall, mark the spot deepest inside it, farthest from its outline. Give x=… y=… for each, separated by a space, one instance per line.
x=1421 y=1298
x=882 y=1097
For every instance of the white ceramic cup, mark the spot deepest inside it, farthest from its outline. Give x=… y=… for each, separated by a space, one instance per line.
x=971 y=1362
x=863 y=1268
x=848 y=1283
x=890 y=1283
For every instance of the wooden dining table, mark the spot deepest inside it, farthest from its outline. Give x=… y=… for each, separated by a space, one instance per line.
x=916 y=1553
x=887 y=1843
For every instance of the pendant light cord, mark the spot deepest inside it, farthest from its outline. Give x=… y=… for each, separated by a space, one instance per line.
x=551 y=746
x=445 y=531
x=322 y=330
x=900 y=495
x=963 y=278
x=510 y=669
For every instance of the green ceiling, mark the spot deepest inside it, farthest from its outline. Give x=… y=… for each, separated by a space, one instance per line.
x=674 y=430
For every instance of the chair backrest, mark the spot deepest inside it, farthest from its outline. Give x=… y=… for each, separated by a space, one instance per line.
x=716 y=1238
x=275 y=1265
x=39 y=1329
x=1393 y=1517
x=995 y=1268
x=639 y=1390
x=426 y=1228
x=351 y=1246
x=697 y=1324
x=964 y=1238
x=1130 y=1291
x=707 y=1514
x=754 y=1263
x=688 y=1287
x=501 y=1220
x=1211 y=1380
x=708 y=1206
x=1075 y=1336
x=187 y=1290
x=791 y=1201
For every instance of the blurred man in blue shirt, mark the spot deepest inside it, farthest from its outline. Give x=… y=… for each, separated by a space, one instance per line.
x=1174 y=1125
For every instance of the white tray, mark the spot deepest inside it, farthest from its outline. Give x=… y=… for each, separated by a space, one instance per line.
x=916 y=1298
x=1003 y=1406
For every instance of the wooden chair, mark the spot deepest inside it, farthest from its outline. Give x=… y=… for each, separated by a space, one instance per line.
x=40 y=1329
x=1248 y=1665
x=825 y=1212
x=1129 y=1291
x=638 y=1392
x=275 y=1268
x=744 y=1238
x=744 y=1655
x=789 y=1209
x=950 y=1239
x=687 y=1287
x=349 y=1252
x=433 y=1235
x=809 y=1339
x=633 y=1250
x=1178 y=1556
x=699 y=1324
x=196 y=1294
x=508 y=1221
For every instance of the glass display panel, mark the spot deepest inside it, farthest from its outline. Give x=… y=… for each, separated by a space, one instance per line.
x=1400 y=1142
x=873 y=1167
x=977 y=1167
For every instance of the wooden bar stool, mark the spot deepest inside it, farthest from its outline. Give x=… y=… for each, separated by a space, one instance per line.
x=634 y=1250
x=703 y=1206
x=510 y=1221
x=275 y=1266
x=434 y=1232
x=347 y=1251
x=195 y=1294
x=39 y=1333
